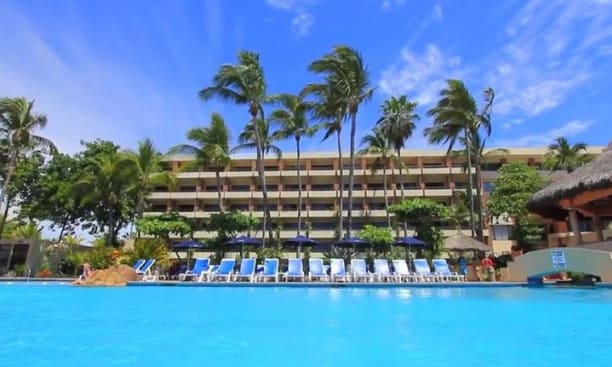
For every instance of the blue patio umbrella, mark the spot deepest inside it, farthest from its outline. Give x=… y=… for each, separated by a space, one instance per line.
x=352 y=242
x=298 y=242
x=244 y=241
x=411 y=242
x=189 y=246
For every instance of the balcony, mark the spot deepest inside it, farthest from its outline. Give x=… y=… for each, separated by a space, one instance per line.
x=436 y=170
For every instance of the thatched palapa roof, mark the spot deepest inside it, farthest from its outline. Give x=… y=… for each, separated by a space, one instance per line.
x=461 y=242
x=592 y=176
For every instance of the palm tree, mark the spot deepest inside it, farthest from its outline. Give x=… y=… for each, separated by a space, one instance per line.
x=378 y=143
x=293 y=123
x=348 y=75
x=398 y=122
x=244 y=84
x=148 y=163
x=248 y=140
x=563 y=156
x=212 y=149
x=17 y=124
x=329 y=110
x=456 y=115
x=112 y=177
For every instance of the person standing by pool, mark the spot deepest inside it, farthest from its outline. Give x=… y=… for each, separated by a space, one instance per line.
x=85 y=275
x=488 y=267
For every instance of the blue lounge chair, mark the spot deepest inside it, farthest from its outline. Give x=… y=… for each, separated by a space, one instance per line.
x=295 y=270
x=270 y=270
x=382 y=271
x=316 y=270
x=247 y=270
x=204 y=276
x=422 y=270
x=199 y=266
x=224 y=271
x=145 y=270
x=441 y=268
x=359 y=270
x=337 y=271
x=138 y=264
x=401 y=271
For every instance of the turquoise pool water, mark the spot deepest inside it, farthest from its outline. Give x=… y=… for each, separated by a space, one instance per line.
x=173 y=326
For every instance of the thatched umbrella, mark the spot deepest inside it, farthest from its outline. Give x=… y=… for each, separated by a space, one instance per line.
x=593 y=176
x=461 y=242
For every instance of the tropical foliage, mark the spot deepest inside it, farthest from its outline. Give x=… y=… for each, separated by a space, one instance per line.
x=163 y=226
x=381 y=238
x=562 y=156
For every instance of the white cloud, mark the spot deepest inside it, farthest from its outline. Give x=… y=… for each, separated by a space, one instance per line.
x=302 y=18
x=420 y=76
x=388 y=4
x=301 y=23
x=569 y=129
x=438 y=12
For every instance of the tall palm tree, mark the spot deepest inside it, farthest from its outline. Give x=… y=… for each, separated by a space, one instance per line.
x=378 y=143
x=248 y=140
x=564 y=156
x=293 y=122
x=147 y=161
x=112 y=177
x=17 y=124
x=398 y=121
x=244 y=84
x=212 y=149
x=329 y=109
x=347 y=73
x=456 y=115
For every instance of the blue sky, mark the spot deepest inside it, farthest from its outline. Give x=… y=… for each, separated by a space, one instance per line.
x=126 y=70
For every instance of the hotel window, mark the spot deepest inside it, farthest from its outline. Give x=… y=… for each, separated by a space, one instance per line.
x=271 y=168
x=260 y=207
x=322 y=167
x=185 y=207
x=240 y=207
x=356 y=206
x=322 y=187
x=377 y=206
x=321 y=206
x=490 y=166
x=411 y=185
x=501 y=231
x=356 y=186
x=210 y=208
x=241 y=188
x=433 y=164
x=159 y=207
x=242 y=168
x=293 y=167
x=293 y=187
x=269 y=187
x=187 y=189
x=376 y=186
x=292 y=207
x=434 y=185
x=160 y=189
x=211 y=188
x=460 y=185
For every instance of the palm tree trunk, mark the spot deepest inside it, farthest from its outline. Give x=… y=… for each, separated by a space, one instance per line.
x=341 y=176
x=4 y=215
x=479 y=210
x=399 y=158
x=4 y=199
x=219 y=196
x=299 y=180
x=351 y=174
x=262 y=180
x=468 y=144
x=385 y=192
x=111 y=226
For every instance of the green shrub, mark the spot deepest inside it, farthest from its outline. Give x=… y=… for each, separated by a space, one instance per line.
x=147 y=248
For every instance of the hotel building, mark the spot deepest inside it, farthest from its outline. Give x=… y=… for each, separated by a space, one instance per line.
x=427 y=173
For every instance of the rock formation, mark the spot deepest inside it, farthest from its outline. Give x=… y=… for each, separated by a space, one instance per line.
x=115 y=276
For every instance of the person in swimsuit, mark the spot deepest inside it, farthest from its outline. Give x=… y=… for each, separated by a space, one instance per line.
x=86 y=274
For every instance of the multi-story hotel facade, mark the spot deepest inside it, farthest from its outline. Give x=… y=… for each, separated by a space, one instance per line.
x=426 y=173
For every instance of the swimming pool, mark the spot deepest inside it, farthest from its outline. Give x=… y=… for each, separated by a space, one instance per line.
x=174 y=326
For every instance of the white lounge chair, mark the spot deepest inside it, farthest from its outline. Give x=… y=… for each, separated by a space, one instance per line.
x=200 y=265
x=295 y=270
x=316 y=270
x=270 y=270
x=401 y=270
x=145 y=270
x=247 y=270
x=359 y=270
x=337 y=270
x=423 y=272
x=442 y=269
x=224 y=271
x=382 y=272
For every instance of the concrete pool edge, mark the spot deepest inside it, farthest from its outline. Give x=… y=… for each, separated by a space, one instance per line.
x=325 y=284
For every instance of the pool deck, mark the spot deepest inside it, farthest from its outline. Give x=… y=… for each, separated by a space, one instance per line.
x=171 y=283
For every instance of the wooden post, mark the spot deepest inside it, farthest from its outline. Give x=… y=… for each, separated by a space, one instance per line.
x=597 y=228
x=573 y=217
